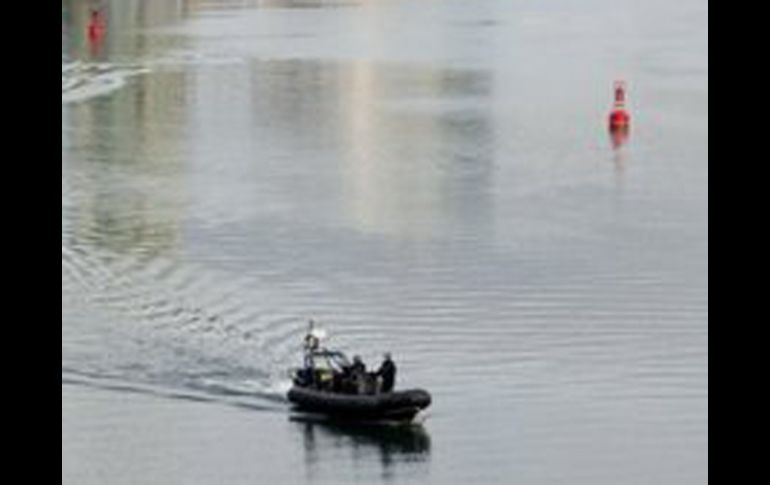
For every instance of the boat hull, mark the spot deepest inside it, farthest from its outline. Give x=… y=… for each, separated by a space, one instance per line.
x=396 y=406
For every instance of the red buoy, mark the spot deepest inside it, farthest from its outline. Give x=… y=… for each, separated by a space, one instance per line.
x=620 y=119
x=97 y=32
x=97 y=27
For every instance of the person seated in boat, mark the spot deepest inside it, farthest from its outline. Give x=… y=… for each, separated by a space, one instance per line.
x=358 y=376
x=358 y=366
x=307 y=375
x=344 y=380
x=387 y=374
x=304 y=377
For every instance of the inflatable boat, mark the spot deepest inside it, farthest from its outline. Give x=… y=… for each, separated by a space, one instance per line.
x=329 y=384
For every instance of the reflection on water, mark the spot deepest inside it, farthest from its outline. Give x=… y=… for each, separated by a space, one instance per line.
x=412 y=147
x=444 y=150
x=127 y=195
x=619 y=138
x=392 y=446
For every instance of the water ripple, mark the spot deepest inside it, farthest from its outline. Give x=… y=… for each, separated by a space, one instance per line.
x=82 y=81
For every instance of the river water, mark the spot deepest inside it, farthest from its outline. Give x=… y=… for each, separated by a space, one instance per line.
x=427 y=177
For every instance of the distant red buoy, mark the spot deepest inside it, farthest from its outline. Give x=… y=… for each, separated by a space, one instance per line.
x=97 y=27
x=620 y=118
x=97 y=32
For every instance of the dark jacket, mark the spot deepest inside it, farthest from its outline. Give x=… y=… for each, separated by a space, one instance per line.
x=387 y=373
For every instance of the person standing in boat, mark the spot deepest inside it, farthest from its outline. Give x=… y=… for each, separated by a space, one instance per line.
x=387 y=374
x=312 y=343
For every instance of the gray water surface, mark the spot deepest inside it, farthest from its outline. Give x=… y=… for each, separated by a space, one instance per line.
x=428 y=177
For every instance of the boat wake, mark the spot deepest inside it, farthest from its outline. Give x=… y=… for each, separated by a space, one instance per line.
x=82 y=81
x=154 y=328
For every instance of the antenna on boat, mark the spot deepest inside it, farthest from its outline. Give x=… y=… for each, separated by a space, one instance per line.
x=314 y=337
